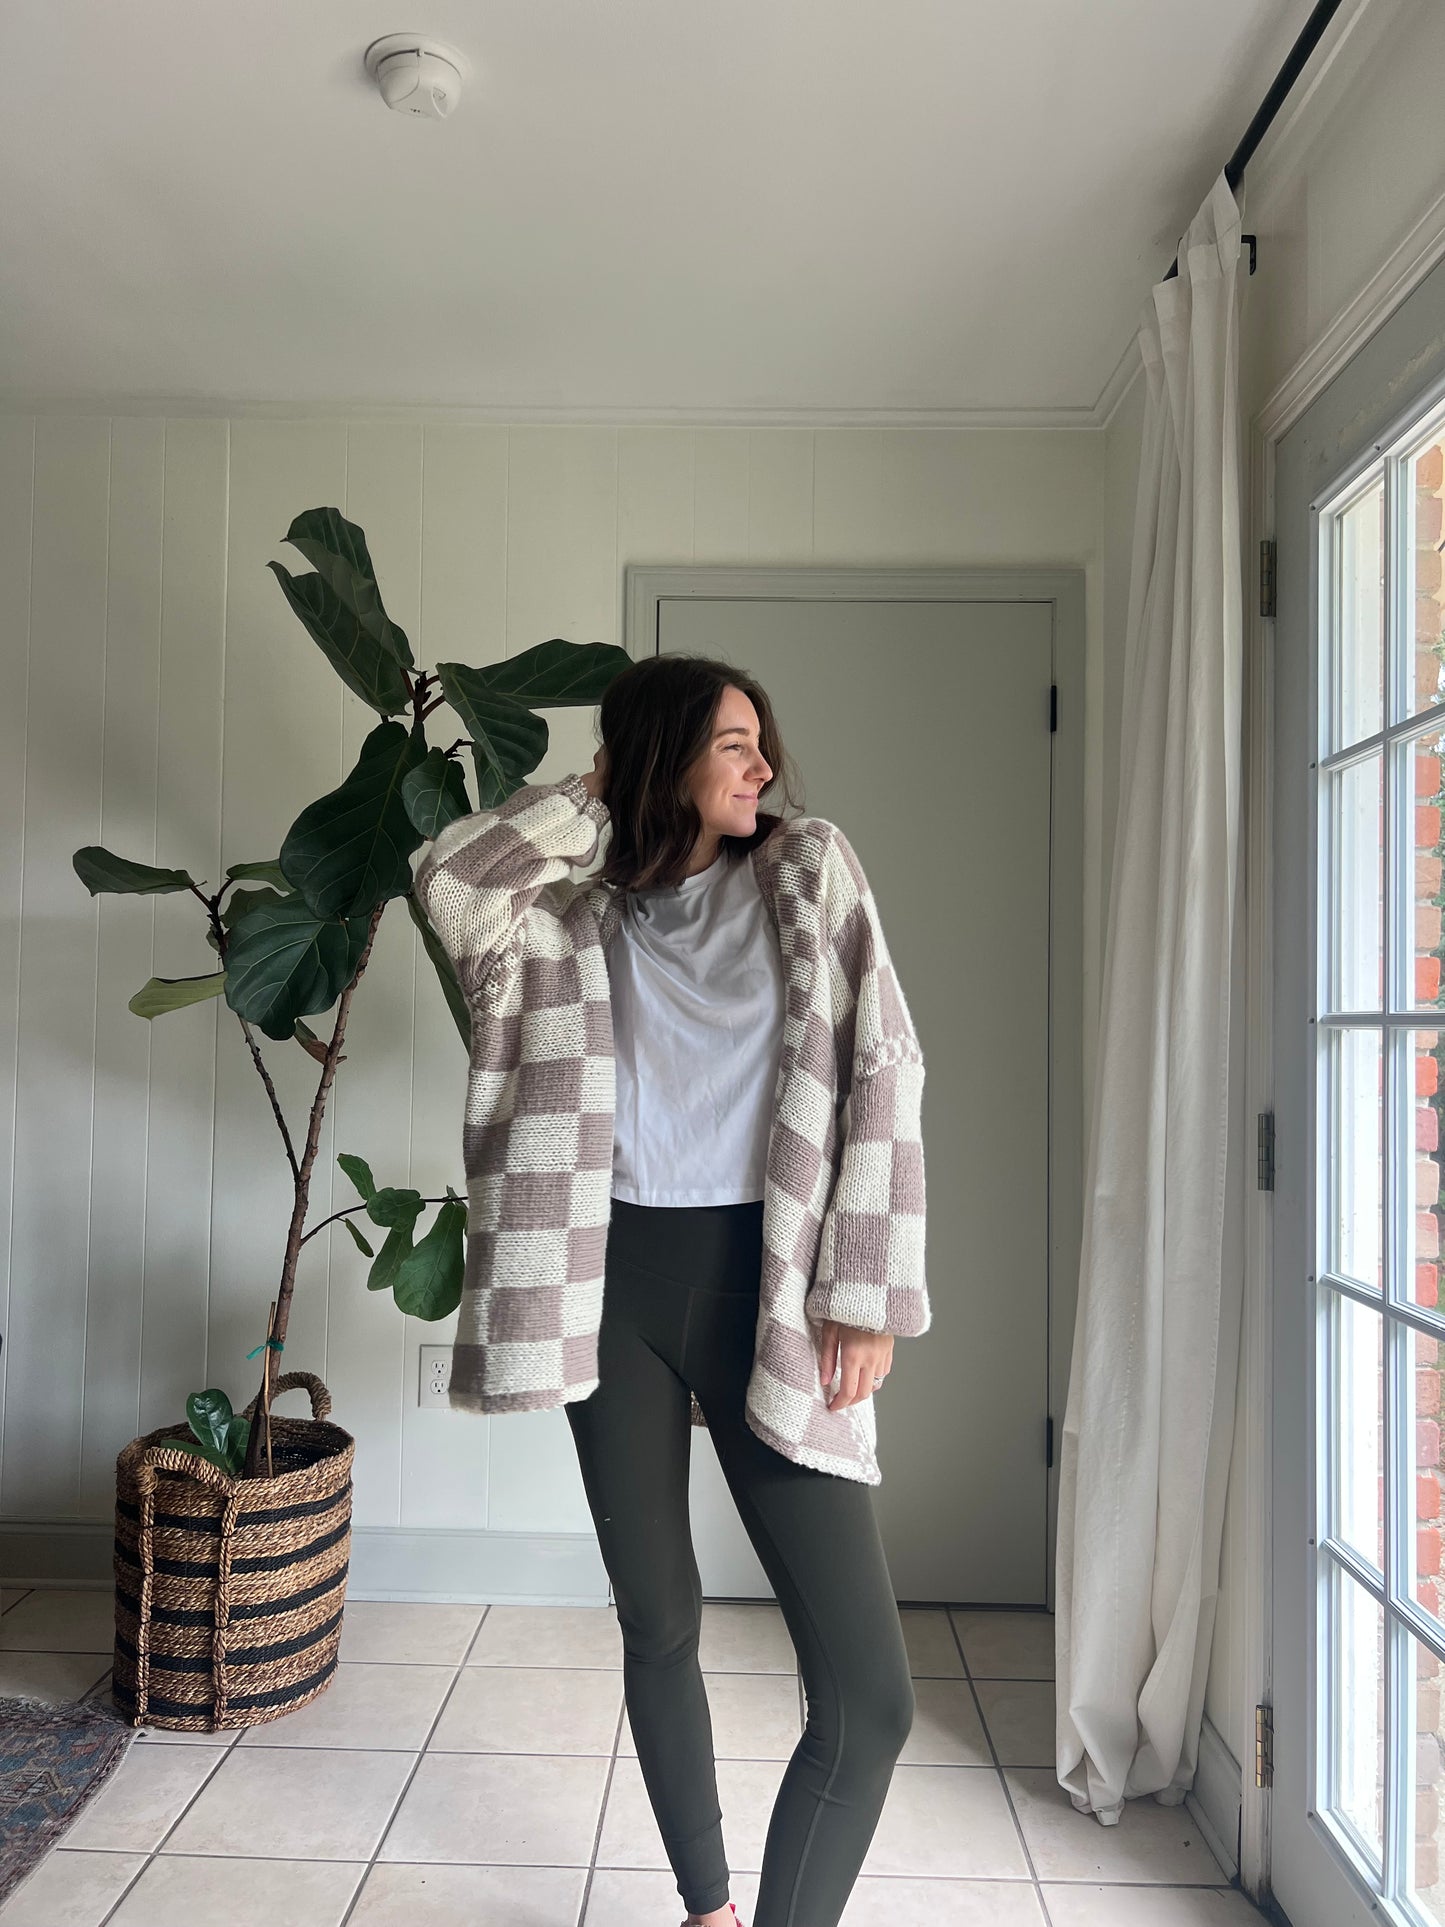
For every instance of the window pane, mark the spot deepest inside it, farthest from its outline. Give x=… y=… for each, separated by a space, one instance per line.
x=1358 y=629
x=1352 y=885
x=1424 y=1682
x=1420 y=1173
x=1353 y=1721
x=1419 y=870
x=1420 y=1483
x=1353 y=1109
x=1423 y=490
x=1355 y=1421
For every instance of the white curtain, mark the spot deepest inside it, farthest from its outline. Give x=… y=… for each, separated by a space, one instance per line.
x=1150 y=1409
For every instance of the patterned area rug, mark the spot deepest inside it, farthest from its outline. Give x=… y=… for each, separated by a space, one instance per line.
x=53 y=1759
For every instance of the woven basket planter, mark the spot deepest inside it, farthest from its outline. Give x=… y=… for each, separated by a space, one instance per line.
x=228 y=1592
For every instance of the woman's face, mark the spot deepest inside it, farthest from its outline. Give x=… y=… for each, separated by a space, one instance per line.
x=727 y=777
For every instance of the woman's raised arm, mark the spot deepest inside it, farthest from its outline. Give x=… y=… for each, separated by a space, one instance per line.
x=476 y=880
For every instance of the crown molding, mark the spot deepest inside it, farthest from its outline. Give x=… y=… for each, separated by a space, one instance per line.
x=578 y=416
x=1422 y=249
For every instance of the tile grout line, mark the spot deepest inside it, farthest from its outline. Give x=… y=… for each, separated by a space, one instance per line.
x=421 y=1754
x=1003 y=1782
x=141 y=1870
x=602 y=1810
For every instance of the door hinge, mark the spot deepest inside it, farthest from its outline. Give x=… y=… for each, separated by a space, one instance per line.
x=1267 y=558
x=1053 y=707
x=1266 y=1151
x=1264 y=1746
x=1049 y=1443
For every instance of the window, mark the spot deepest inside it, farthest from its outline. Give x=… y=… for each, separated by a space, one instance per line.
x=1379 y=1678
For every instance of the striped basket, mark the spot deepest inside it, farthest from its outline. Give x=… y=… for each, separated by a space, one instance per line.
x=228 y=1592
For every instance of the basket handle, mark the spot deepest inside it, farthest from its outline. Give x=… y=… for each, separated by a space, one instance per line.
x=175 y=1458
x=320 y=1397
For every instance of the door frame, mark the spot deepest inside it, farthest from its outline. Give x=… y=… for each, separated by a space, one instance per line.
x=1351 y=331
x=646 y=587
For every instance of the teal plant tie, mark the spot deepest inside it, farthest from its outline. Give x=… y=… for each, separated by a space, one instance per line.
x=276 y=1345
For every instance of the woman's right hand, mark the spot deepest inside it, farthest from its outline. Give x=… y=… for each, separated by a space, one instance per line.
x=594 y=780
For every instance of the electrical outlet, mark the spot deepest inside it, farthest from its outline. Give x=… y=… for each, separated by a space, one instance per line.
x=436 y=1376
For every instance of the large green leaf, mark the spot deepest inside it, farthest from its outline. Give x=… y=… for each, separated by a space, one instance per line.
x=446 y=974
x=508 y=741
x=283 y=962
x=240 y=901
x=382 y=1275
x=210 y=1415
x=161 y=994
x=435 y=792
x=395 y=1204
x=557 y=674
x=429 y=1278
x=100 y=870
x=337 y=550
x=351 y=849
x=259 y=873
x=220 y=1434
x=358 y=658
x=359 y=1171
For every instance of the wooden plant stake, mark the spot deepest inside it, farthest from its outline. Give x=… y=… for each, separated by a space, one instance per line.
x=266 y=1391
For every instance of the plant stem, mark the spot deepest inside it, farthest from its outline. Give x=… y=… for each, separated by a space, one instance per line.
x=275 y=1101
x=303 y=1179
x=336 y=1215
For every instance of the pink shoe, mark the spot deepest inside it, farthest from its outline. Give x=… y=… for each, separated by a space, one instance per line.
x=736 y=1915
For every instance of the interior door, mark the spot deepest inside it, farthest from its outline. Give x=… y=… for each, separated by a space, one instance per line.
x=1358 y=1636
x=923 y=729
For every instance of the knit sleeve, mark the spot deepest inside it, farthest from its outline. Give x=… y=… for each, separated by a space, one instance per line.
x=870 y=1267
x=479 y=876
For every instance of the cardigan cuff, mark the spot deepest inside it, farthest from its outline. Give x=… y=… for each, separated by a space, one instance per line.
x=589 y=805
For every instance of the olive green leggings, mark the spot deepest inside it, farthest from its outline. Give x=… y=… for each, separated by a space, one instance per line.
x=680 y=1308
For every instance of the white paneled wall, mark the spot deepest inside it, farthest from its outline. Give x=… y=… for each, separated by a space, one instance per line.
x=163 y=701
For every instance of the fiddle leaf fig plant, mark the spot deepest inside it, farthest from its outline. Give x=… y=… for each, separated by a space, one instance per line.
x=217 y=1433
x=293 y=933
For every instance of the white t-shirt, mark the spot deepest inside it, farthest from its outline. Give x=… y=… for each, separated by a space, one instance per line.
x=697 y=1015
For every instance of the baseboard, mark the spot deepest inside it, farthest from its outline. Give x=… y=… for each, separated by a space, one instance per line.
x=1216 y=1797
x=387 y=1562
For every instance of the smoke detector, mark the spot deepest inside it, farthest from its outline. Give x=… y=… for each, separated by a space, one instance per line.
x=416 y=75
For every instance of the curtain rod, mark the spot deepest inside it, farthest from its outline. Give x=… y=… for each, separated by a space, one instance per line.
x=1284 y=80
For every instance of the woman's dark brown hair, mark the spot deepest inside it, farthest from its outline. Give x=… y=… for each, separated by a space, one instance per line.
x=657 y=719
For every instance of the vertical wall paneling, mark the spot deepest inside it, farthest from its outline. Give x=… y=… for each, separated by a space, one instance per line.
x=282 y=749
x=721 y=459
x=562 y=536
x=446 y=1456
x=182 y=1097
x=17 y=464
x=848 y=517
x=780 y=495
x=370 y=1369
x=131 y=670
x=654 y=502
x=55 y=1082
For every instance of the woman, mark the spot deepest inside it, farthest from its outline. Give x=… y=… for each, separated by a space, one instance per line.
x=753 y=1005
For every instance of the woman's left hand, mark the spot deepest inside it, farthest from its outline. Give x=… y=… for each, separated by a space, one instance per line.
x=864 y=1356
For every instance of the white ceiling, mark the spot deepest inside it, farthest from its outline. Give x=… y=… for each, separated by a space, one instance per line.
x=775 y=209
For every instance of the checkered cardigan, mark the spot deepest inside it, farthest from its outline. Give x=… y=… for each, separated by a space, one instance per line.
x=843 y=1206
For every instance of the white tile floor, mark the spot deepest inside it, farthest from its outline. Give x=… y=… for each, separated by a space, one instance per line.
x=474 y=1765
